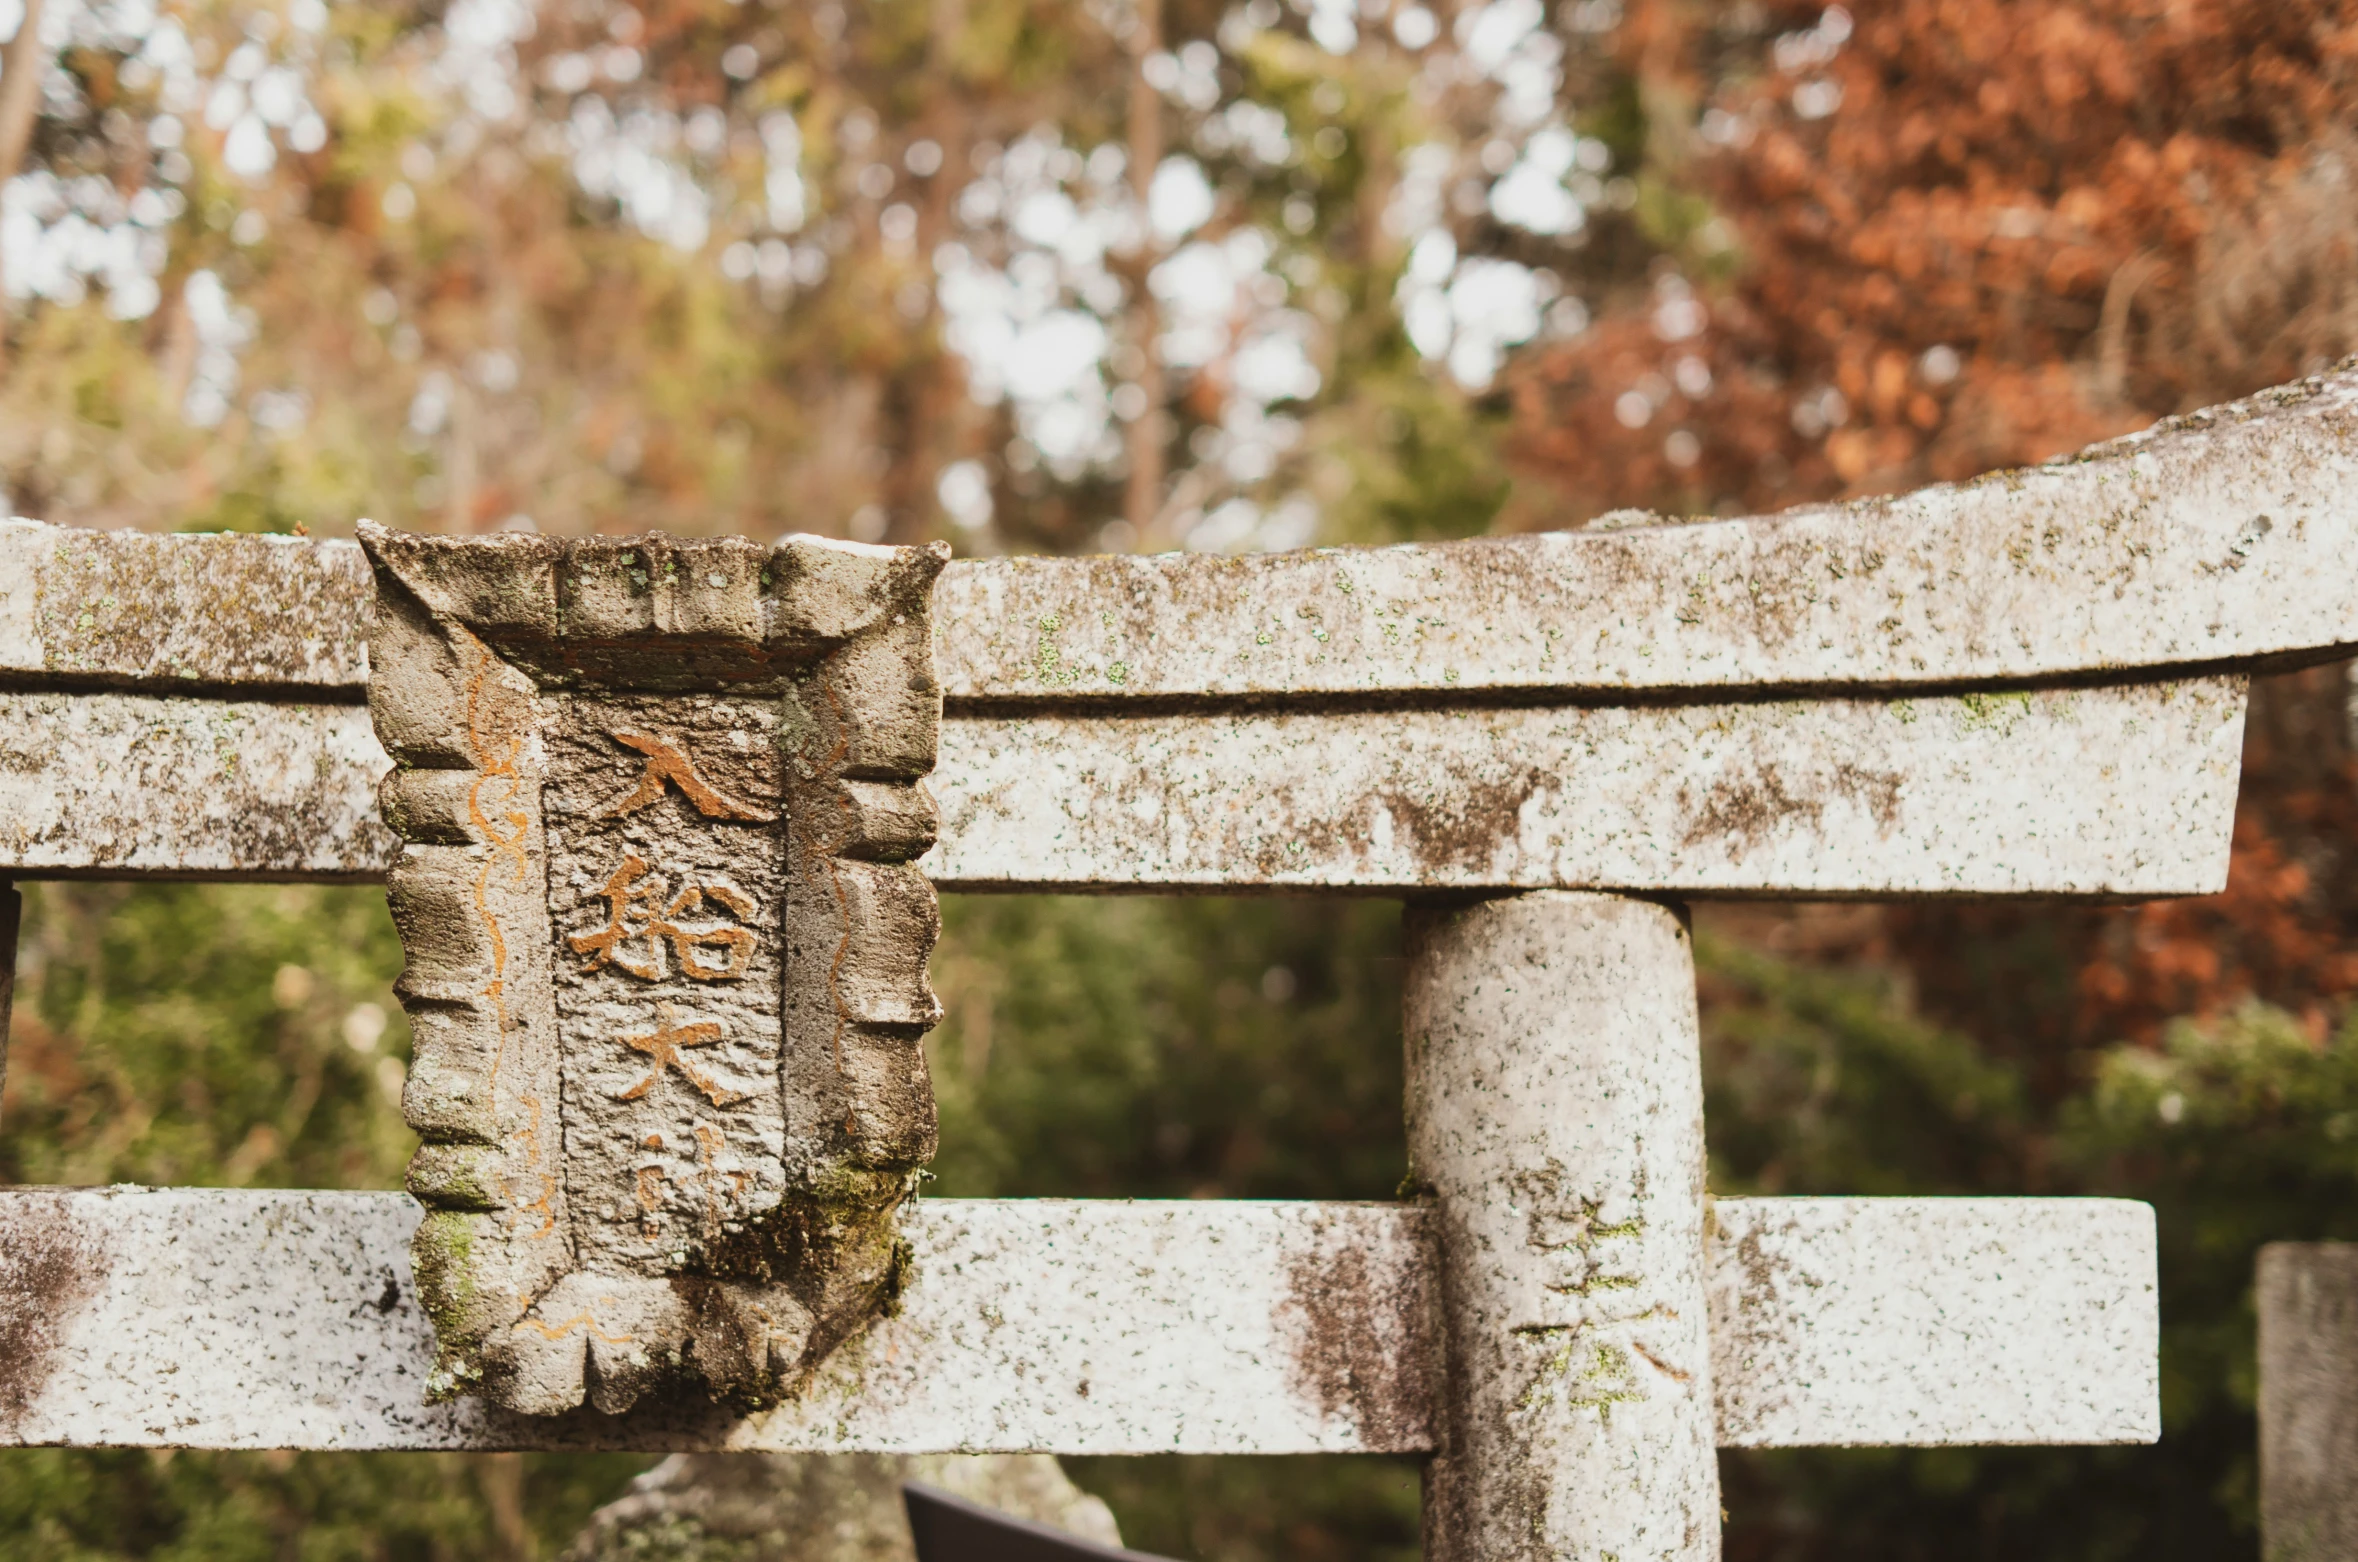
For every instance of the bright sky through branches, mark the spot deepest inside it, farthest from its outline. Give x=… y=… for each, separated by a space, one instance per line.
x=1034 y=253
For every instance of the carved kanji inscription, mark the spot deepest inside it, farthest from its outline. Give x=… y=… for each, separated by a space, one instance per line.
x=667 y=826
x=632 y=898
x=663 y=1044
x=665 y=949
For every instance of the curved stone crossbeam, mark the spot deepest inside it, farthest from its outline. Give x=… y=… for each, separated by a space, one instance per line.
x=2220 y=538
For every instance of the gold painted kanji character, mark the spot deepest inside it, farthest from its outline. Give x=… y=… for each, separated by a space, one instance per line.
x=664 y=1046
x=637 y=909
x=669 y=762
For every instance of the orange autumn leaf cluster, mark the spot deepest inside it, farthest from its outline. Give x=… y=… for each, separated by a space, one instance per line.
x=2047 y=984
x=1972 y=233
x=2286 y=928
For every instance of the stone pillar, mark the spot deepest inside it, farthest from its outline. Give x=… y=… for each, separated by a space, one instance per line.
x=2308 y=1298
x=1555 y=1117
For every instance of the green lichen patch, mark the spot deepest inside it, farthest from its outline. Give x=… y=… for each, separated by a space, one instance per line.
x=1997 y=713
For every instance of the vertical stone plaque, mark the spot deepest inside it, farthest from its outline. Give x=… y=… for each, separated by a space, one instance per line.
x=665 y=948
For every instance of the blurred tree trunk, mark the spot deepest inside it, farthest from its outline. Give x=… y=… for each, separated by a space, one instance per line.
x=1142 y=500
x=926 y=402
x=20 y=102
x=502 y=1479
x=819 y=1508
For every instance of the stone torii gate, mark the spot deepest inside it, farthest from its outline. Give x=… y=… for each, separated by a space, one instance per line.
x=2032 y=684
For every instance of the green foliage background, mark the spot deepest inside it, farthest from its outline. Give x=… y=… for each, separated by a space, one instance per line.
x=222 y=1035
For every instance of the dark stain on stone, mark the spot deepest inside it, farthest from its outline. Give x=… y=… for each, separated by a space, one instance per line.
x=1745 y=810
x=1466 y=834
x=51 y=1264
x=1879 y=790
x=1451 y=828
x=1759 y=1266
x=1760 y=1320
x=1363 y=1344
x=1455 y=826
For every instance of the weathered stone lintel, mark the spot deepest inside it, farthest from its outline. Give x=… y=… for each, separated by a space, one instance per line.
x=237 y=1319
x=2118 y=791
x=2219 y=539
x=2121 y=791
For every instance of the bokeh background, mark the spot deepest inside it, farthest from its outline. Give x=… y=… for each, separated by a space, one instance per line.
x=1072 y=275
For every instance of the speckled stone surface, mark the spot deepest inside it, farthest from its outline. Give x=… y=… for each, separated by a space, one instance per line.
x=2118 y=791
x=220 y=613
x=1555 y=1113
x=228 y=1319
x=140 y=785
x=1910 y=1321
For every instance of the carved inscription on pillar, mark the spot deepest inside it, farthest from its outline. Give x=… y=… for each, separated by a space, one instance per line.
x=665 y=949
